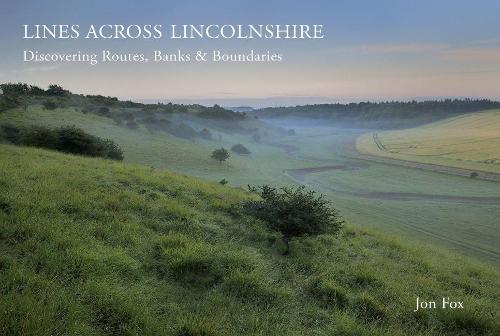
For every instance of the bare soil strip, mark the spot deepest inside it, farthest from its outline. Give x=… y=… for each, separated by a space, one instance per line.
x=299 y=174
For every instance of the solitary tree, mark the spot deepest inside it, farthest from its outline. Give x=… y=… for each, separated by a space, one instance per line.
x=220 y=154
x=294 y=212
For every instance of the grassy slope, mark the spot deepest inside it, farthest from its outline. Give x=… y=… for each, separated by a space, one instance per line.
x=470 y=141
x=447 y=223
x=93 y=247
x=451 y=224
x=160 y=149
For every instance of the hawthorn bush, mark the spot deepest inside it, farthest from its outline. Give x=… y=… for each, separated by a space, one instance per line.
x=294 y=211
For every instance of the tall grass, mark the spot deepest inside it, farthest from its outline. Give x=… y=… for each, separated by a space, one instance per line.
x=93 y=247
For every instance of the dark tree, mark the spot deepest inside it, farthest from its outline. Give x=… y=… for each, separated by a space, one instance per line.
x=220 y=155
x=295 y=212
x=56 y=90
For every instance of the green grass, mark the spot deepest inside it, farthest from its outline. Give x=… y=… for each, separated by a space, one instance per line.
x=467 y=227
x=470 y=141
x=162 y=150
x=94 y=247
x=374 y=196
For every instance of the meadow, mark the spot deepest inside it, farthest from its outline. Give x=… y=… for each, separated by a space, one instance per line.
x=416 y=204
x=97 y=247
x=468 y=141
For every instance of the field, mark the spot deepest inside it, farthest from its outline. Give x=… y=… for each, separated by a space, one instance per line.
x=453 y=211
x=162 y=150
x=95 y=247
x=471 y=142
x=450 y=210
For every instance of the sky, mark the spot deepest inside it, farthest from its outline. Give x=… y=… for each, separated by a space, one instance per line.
x=372 y=50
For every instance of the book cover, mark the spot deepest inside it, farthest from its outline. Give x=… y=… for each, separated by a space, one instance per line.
x=206 y=168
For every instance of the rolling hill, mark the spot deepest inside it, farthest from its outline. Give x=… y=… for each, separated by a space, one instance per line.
x=469 y=141
x=96 y=247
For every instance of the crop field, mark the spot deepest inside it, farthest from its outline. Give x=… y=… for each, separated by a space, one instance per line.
x=470 y=142
x=455 y=211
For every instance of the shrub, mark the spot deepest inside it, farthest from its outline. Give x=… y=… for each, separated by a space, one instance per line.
x=220 y=155
x=474 y=174
x=10 y=133
x=49 y=105
x=76 y=141
x=223 y=181
x=65 y=139
x=39 y=137
x=240 y=149
x=56 y=90
x=294 y=211
x=8 y=102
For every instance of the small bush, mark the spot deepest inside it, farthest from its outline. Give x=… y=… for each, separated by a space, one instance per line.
x=294 y=211
x=223 y=181
x=49 y=105
x=474 y=174
x=240 y=149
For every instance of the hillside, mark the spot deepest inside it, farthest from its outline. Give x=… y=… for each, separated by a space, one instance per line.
x=470 y=141
x=443 y=210
x=95 y=247
x=391 y=114
x=159 y=148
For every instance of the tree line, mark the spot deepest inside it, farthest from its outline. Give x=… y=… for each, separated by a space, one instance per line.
x=382 y=110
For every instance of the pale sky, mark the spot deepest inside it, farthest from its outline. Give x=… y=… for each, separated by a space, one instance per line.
x=376 y=50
